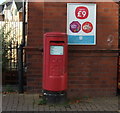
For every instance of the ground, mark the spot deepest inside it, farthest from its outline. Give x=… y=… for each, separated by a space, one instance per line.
x=30 y=102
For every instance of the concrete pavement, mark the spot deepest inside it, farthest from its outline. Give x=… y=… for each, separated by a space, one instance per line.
x=29 y=102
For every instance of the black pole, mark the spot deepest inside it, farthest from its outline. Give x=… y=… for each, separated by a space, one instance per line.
x=20 y=69
x=20 y=54
x=24 y=21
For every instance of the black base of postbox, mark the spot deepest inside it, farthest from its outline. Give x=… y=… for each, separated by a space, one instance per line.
x=118 y=92
x=53 y=97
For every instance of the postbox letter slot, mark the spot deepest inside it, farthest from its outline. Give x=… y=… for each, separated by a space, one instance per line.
x=57 y=42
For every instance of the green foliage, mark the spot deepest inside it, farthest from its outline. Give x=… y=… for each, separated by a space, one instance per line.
x=8 y=88
x=66 y=103
x=41 y=101
x=6 y=43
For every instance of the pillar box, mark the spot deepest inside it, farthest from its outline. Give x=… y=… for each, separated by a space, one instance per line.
x=55 y=66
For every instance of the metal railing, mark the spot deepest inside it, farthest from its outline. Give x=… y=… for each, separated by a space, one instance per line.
x=12 y=35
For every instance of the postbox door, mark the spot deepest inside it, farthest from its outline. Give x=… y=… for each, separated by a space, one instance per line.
x=57 y=63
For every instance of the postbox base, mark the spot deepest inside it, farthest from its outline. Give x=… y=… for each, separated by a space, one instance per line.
x=118 y=91
x=53 y=97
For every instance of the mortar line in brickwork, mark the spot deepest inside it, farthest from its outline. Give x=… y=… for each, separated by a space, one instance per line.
x=43 y=16
x=119 y=27
x=97 y=51
x=95 y=56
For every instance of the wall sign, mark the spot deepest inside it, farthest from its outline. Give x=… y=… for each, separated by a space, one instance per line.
x=81 y=23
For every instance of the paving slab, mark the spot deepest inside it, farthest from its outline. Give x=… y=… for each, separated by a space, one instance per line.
x=29 y=102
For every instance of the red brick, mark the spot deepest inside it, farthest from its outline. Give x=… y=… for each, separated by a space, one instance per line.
x=90 y=73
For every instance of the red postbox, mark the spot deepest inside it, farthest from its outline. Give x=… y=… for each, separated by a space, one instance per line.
x=55 y=62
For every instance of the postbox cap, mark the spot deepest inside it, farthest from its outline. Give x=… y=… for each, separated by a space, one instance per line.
x=55 y=34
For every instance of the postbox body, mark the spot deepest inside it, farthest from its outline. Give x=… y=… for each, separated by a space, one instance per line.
x=55 y=62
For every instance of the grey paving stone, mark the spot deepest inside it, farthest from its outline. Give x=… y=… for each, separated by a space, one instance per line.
x=40 y=108
x=29 y=102
x=5 y=100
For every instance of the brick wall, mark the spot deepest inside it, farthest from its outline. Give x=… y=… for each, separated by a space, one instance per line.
x=20 y=16
x=34 y=42
x=1 y=17
x=92 y=71
x=92 y=74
